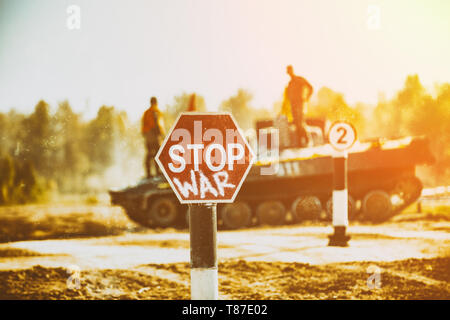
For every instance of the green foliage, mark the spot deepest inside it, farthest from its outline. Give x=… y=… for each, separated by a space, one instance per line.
x=414 y=111
x=37 y=139
x=239 y=106
x=332 y=106
x=70 y=163
x=99 y=139
x=59 y=150
x=180 y=104
x=19 y=182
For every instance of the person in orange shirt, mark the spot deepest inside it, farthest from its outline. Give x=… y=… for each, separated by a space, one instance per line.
x=298 y=92
x=192 y=107
x=153 y=131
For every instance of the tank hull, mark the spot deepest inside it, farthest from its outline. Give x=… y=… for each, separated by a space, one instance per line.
x=388 y=170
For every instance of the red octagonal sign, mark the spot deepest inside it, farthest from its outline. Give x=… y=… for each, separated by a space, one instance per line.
x=205 y=158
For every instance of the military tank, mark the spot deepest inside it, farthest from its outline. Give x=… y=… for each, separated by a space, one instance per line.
x=295 y=184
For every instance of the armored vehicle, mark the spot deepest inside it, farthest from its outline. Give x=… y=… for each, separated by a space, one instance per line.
x=295 y=183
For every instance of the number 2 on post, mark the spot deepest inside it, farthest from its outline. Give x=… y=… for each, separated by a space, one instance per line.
x=344 y=133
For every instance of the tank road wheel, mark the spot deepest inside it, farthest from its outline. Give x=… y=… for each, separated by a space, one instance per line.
x=236 y=215
x=271 y=212
x=163 y=212
x=351 y=209
x=408 y=189
x=376 y=206
x=306 y=208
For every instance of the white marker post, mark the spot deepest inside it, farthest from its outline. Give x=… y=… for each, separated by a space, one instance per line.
x=341 y=136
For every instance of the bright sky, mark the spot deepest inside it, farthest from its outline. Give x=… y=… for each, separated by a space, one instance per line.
x=127 y=51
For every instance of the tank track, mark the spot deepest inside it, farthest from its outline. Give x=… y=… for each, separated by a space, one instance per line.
x=139 y=216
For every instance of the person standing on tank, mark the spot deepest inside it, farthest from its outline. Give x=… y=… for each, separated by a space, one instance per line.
x=153 y=131
x=192 y=106
x=298 y=92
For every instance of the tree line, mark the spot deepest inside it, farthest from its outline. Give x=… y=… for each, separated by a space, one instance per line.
x=59 y=151
x=412 y=111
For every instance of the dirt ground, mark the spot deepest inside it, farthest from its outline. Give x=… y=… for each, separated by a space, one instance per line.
x=407 y=258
